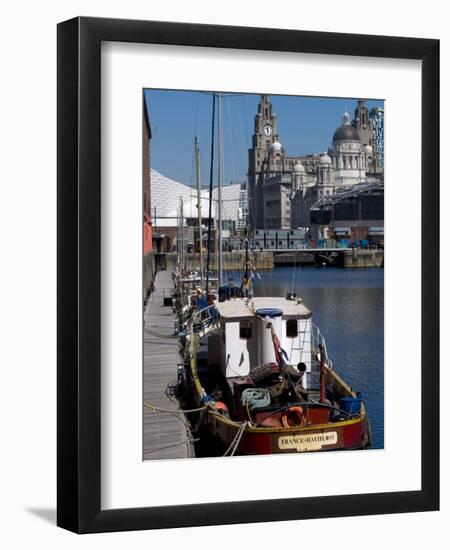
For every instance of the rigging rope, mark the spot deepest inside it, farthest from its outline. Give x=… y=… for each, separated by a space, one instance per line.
x=158 y=335
x=187 y=441
x=153 y=408
x=236 y=440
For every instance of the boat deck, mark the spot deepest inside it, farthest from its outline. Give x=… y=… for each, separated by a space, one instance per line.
x=237 y=308
x=164 y=434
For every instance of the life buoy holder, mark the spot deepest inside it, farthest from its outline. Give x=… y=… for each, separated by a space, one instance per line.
x=293 y=416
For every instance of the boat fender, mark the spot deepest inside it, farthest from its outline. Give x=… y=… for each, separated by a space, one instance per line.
x=206 y=398
x=293 y=416
x=220 y=407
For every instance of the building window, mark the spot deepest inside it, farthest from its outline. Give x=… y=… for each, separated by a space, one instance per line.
x=291 y=328
x=245 y=330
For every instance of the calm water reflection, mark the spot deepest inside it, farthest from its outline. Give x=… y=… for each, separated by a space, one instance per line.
x=348 y=307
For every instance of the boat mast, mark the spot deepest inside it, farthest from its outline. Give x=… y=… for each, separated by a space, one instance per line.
x=183 y=252
x=211 y=172
x=219 y=184
x=247 y=274
x=199 y=206
x=244 y=290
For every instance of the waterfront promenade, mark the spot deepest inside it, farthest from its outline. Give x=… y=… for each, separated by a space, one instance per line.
x=164 y=434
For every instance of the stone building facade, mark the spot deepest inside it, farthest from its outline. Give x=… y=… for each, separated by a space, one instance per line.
x=146 y=191
x=268 y=160
x=282 y=188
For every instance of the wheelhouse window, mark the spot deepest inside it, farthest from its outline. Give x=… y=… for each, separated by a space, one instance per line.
x=291 y=328
x=245 y=330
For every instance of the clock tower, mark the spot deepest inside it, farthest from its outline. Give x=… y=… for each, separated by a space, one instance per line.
x=265 y=135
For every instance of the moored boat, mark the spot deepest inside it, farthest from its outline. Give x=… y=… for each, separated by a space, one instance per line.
x=259 y=371
x=256 y=376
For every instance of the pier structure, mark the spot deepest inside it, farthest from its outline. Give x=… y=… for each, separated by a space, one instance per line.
x=268 y=259
x=165 y=434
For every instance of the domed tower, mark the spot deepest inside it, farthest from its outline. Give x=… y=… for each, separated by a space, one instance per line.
x=368 y=152
x=275 y=159
x=299 y=179
x=301 y=196
x=348 y=158
x=325 y=176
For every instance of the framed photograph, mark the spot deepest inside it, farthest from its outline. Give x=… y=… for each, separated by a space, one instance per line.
x=248 y=260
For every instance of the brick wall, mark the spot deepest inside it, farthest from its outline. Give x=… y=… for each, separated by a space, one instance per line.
x=146 y=137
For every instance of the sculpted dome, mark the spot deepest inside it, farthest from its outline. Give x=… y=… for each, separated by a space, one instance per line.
x=346 y=133
x=276 y=146
x=325 y=159
x=298 y=167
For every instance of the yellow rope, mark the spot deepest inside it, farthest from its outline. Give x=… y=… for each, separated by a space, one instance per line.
x=168 y=411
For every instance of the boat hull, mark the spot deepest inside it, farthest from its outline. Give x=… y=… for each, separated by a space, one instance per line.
x=346 y=435
x=223 y=427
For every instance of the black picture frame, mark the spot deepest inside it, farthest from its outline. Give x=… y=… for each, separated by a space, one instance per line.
x=79 y=278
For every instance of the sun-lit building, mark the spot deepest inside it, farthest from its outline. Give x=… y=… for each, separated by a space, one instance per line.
x=282 y=188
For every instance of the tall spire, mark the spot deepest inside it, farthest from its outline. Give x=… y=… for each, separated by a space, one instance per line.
x=265 y=107
x=361 y=115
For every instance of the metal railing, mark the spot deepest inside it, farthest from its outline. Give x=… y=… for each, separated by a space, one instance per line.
x=202 y=322
x=317 y=340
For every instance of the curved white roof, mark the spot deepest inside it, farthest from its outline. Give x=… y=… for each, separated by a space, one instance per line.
x=165 y=197
x=166 y=193
x=230 y=200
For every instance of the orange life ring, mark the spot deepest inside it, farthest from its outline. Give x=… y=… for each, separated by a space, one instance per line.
x=293 y=417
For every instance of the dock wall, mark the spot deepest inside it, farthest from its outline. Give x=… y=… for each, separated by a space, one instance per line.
x=231 y=260
x=148 y=273
x=364 y=258
x=263 y=260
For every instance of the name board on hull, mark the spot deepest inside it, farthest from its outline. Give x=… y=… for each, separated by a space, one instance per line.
x=307 y=442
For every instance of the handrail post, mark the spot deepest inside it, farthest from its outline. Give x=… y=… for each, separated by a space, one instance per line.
x=322 y=373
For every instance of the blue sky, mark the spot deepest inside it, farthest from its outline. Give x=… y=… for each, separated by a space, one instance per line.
x=306 y=125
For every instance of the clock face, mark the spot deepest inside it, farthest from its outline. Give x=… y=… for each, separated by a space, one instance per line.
x=267 y=129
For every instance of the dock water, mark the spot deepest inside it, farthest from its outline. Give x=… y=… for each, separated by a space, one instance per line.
x=164 y=434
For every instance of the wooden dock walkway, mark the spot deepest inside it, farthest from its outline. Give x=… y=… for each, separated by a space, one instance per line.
x=164 y=434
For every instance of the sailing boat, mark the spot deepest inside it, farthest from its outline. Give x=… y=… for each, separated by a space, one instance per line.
x=189 y=286
x=257 y=372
